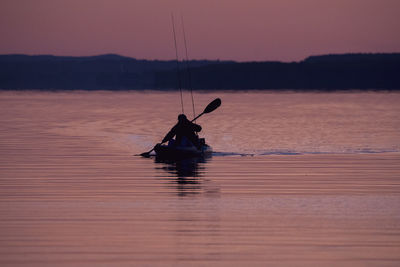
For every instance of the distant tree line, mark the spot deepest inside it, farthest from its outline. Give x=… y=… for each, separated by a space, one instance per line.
x=114 y=72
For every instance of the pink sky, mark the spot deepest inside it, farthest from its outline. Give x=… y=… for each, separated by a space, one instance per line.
x=286 y=30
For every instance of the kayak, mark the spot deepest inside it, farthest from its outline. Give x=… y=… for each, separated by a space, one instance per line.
x=172 y=151
x=164 y=151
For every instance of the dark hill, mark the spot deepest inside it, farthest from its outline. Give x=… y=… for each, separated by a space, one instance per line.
x=114 y=72
x=111 y=72
x=330 y=72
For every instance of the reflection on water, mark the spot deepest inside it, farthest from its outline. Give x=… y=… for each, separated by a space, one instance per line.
x=184 y=174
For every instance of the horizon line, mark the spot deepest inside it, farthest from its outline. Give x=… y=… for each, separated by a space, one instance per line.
x=221 y=60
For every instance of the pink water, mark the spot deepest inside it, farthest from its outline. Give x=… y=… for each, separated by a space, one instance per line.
x=297 y=179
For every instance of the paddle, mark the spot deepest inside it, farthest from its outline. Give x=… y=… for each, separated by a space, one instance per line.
x=210 y=108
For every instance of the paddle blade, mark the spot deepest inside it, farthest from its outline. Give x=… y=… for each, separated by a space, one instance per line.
x=145 y=155
x=213 y=106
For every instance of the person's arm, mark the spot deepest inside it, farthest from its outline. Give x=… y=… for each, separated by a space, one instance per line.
x=169 y=135
x=196 y=127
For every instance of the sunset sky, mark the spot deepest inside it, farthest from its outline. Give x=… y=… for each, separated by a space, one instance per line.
x=245 y=30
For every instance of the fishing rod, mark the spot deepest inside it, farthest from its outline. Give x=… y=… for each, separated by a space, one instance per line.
x=177 y=62
x=187 y=67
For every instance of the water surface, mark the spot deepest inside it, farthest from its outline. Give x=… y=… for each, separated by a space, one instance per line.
x=297 y=179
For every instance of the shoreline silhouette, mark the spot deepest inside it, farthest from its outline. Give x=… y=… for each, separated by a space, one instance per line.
x=114 y=72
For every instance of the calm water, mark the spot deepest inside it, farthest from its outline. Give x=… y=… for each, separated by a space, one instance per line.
x=297 y=179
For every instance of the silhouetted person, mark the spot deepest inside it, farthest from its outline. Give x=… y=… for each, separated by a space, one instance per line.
x=184 y=128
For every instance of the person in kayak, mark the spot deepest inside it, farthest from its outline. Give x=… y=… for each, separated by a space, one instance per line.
x=184 y=128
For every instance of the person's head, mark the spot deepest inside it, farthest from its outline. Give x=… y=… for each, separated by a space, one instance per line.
x=182 y=118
